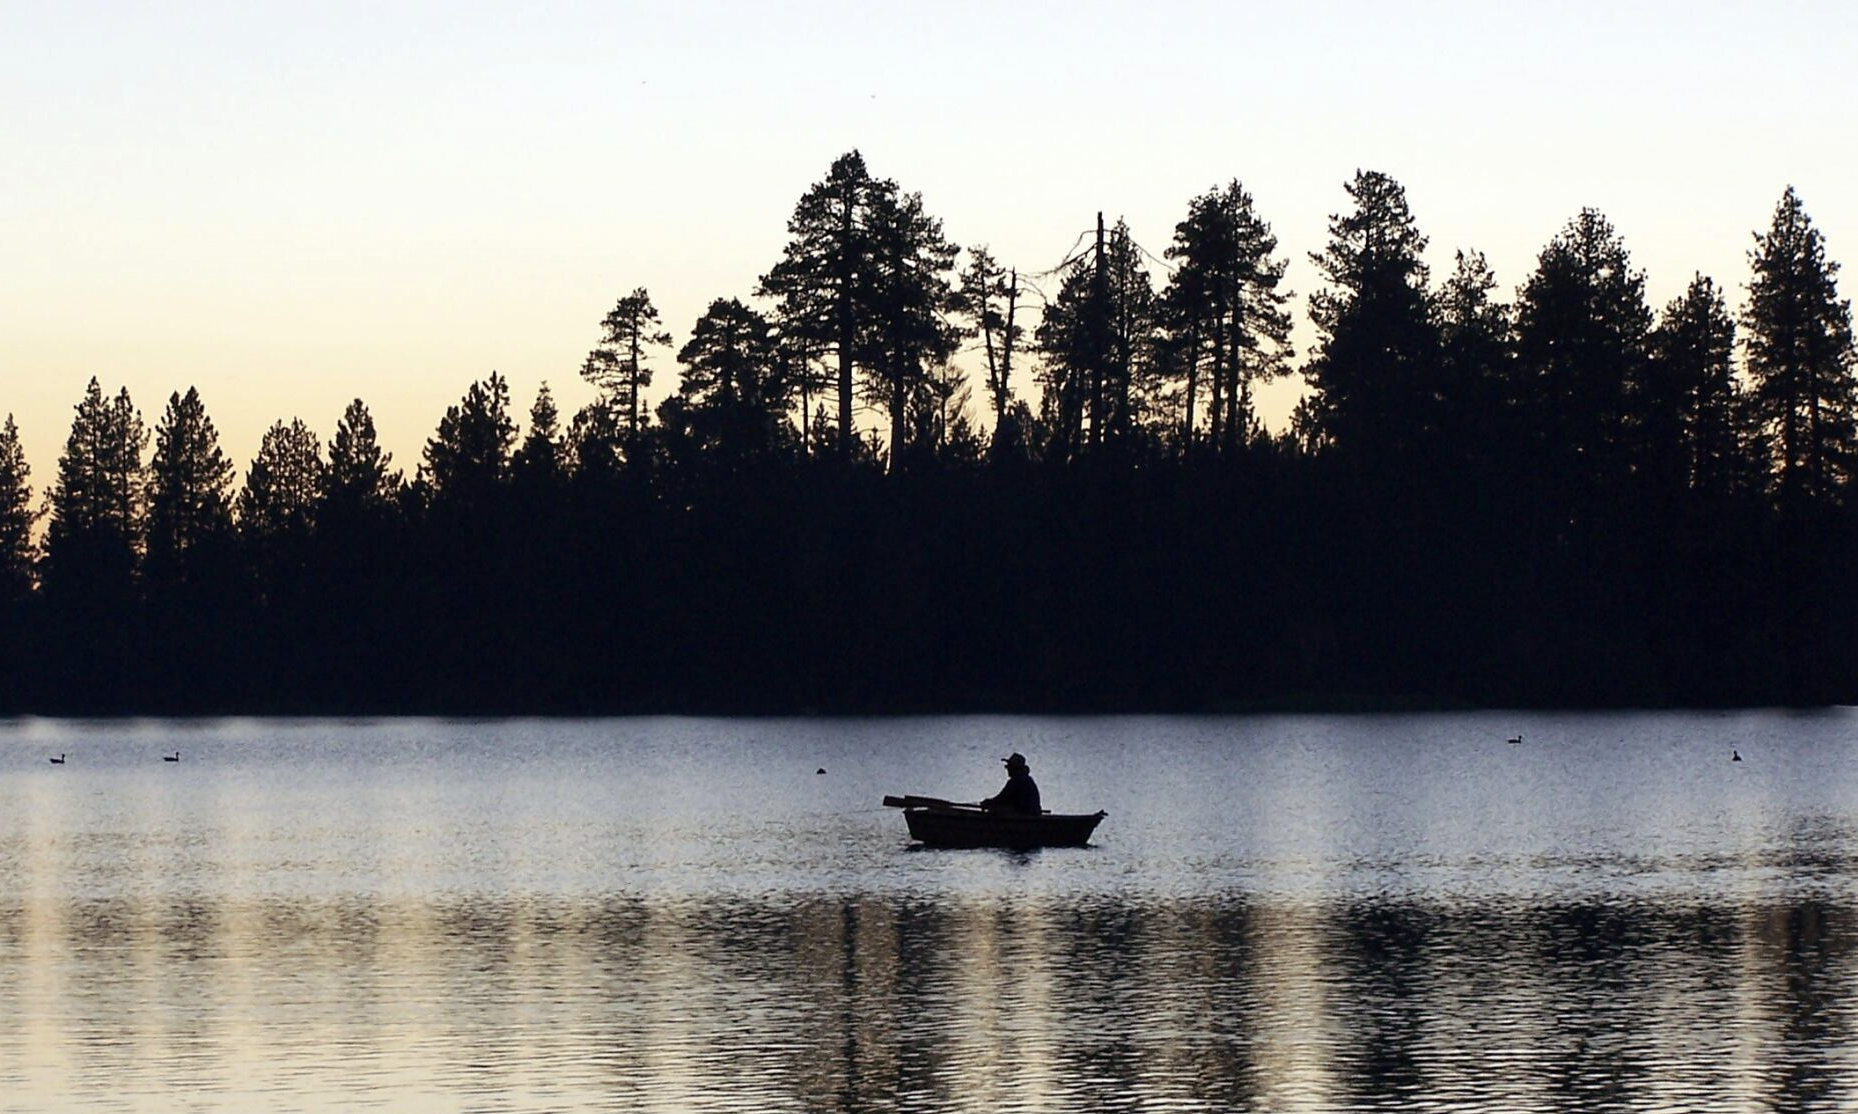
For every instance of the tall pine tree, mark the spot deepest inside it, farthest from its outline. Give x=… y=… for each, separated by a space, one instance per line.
x=358 y=482
x=468 y=459
x=865 y=276
x=1479 y=401
x=1095 y=343
x=95 y=536
x=1693 y=363
x=284 y=483
x=1227 y=311
x=618 y=365
x=824 y=279
x=912 y=333
x=189 y=487
x=988 y=296
x=1373 y=377
x=1582 y=330
x=735 y=392
x=17 y=516
x=1799 y=343
x=540 y=465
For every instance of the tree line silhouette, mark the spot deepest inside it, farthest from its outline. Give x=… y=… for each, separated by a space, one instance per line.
x=1564 y=499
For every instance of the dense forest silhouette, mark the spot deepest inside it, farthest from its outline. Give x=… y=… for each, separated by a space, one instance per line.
x=1565 y=499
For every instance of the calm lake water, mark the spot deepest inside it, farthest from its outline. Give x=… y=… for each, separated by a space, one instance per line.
x=1279 y=914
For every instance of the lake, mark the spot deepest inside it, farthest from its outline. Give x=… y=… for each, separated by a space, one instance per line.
x=1295 y=913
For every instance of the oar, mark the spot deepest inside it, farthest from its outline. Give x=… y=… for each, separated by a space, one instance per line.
x=912 y=801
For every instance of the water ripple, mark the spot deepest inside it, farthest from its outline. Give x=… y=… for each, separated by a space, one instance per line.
x=1297 y=914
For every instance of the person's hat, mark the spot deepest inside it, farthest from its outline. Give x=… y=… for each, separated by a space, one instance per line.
x=1014 y=759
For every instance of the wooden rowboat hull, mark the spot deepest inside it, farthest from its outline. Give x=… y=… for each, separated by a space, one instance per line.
x=973 y=828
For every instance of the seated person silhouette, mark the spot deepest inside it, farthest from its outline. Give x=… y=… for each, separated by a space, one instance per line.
x=1021 y=794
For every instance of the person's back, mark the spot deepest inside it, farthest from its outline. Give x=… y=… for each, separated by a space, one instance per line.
x=1021 y=793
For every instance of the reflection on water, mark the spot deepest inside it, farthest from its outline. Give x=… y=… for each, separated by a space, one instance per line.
x=300 y=928
x=838 y=1003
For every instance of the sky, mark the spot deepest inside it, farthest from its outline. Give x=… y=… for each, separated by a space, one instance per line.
x=292 y=205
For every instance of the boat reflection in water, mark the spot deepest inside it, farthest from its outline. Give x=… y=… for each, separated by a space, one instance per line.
x=859 y=1003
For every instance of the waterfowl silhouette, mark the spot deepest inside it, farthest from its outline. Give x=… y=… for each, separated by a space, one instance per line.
x=175 y=757
x=1735 y=755
x=1514 y=741
x=58 y=761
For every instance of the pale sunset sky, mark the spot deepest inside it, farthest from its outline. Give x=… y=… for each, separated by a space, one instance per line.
x=292 y=205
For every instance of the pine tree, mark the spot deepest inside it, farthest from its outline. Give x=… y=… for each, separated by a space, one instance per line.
x=593 y=445
x=1693 y=365
x=1131 y=320
x=806 y=375
x=941 y=430
x=988 y=296
x=865 y=276
x=1373 y=377
x=1226 y=310
x=189 y=486
x=278 y=505
x=1070 y=340
x=1582 y=331
x=911 y=331
x=95 y=535
x=1479 y=401
x=823 y=279
x=284 y=483
x=358 y=481
x=17 y=516
x=618 y=365
x=731 y=359
x=540 y=464
x=735 y=393
x=1799 y=345
x=468 y=459
x=1095 y=342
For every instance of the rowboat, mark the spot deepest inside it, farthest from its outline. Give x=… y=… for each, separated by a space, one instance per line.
x=940 y=823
